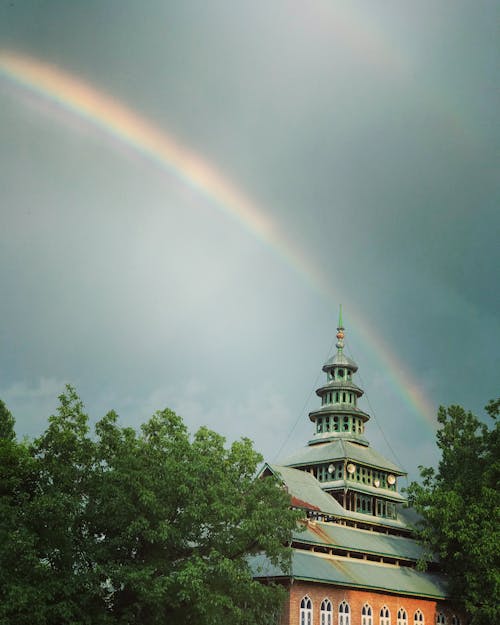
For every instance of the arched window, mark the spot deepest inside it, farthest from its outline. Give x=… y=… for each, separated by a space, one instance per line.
x=306 y=611
x=344 y=614
x=385 y=616
x=418 y=619
x=455 y=620
x=326 y=613
x=402 y=617
x=440 y=619
x=366 y=615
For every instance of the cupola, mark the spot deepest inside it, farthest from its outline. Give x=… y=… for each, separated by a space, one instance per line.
x=339 y=415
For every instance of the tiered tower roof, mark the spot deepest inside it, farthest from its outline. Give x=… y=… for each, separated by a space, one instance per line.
x=339 y=455
x=356 y=533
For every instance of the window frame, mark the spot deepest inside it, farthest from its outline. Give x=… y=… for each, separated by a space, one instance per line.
x=306 y=611
x=418 y=617
x=344 y=613
x=326 y=612
x=384 y=616
x=366 y=615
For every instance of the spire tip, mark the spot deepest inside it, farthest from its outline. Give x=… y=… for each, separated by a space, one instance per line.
x=340 y=331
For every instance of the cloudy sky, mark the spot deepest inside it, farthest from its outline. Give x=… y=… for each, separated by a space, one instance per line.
x=325 y=152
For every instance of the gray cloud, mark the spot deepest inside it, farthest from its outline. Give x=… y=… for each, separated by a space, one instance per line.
x=367 y=133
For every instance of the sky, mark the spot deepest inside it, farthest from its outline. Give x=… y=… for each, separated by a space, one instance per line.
x=189 y=190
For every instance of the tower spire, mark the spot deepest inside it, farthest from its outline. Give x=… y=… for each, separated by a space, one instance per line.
x=340 y=332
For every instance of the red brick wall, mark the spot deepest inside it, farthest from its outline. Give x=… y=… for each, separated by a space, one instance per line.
x=356 y=599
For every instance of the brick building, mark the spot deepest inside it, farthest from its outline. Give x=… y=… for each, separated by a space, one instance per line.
x=354 y=562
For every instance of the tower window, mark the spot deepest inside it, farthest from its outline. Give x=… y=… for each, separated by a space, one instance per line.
x=343 y=398
x=341 y=373
x=345 y=423
x=337 y=398
x=440 y=619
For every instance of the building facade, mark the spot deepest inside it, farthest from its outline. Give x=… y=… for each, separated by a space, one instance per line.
x=354 y=558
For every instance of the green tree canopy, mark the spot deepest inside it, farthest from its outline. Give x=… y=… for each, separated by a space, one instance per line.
x=121 y=526
x=460 y=506
x=6 y=423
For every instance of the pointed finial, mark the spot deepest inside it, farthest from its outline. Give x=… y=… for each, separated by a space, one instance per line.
x=340 y=332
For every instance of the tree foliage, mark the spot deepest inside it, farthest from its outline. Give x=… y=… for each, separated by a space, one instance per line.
x=120 y=526
x=460 y=506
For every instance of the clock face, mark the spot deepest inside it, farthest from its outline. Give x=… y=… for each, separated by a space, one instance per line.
x=391 y=479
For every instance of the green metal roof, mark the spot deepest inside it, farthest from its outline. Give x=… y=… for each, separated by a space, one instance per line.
x=341 y=360
x=340 y=385
x=352 y=539
x=338 y=450
x=309 y=566
x=339 y=409
x=306 y=492
x=382 y=493
x=326 y=437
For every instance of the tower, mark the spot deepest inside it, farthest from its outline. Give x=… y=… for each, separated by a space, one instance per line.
x=339 y=455
x=354 y=560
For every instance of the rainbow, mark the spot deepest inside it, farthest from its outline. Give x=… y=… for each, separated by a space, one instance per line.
x=129 y=128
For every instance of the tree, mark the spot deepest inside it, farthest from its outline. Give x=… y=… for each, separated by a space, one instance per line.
x=21 y=596
x=460 y=505
x=154 y=526
x=6 y=423
x=179 y=519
